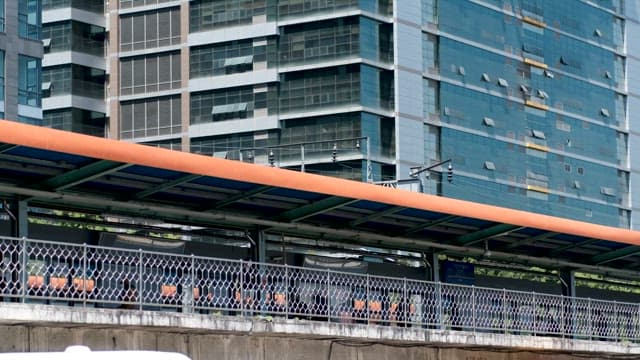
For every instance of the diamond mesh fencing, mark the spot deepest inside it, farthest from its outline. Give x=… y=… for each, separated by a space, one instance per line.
x=93 y=276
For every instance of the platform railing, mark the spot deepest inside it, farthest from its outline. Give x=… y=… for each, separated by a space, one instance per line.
x=94 y=276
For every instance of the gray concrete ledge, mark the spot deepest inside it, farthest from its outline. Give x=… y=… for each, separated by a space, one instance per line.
x=36 y=315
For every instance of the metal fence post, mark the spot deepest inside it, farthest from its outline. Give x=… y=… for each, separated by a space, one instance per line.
x=473 y=307
x=23 y=271
x=286 y=291
x=589 y=319
x=140 y=272
x=535 y=314
x=504 y=310
x=368 y=300
x=616 y=325
x=84 y=277
x=637 y=319
x=439 y=307
x=242 y=288
x=192 y=286
x=563 y=320
x=328 y=295
x=404 y=305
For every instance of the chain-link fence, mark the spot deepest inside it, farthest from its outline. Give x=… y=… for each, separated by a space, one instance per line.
x=82 y=275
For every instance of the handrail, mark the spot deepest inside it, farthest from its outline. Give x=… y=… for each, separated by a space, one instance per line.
x=87 y=275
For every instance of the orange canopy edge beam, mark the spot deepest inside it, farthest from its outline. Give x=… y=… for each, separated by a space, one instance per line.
x=119 y=151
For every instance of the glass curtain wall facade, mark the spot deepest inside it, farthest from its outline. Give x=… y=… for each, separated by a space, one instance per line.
x=20 y=61
x=529 y=101
x=75 y=77
x=261 y=72
x=526 y=97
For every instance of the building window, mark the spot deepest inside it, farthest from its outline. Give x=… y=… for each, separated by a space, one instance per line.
x=73 y=36
x=232 y=57
x=297 y=8
x=607 y=191
x=489 y=165
x=150 y=117
x=150 y=29
x=232 y=103
x=145 y=74
x=207 y=15
x=29 y=120
x=1 y=15
x=73 y=79
x=542 y=94
x=306 y=90
x=538 y=134
x=125 y=4
x=76 y=120
x=1 y=75
x=29 y=19
x=95 y=6
x=489 y=122
x=29 y=72
x=322 y=41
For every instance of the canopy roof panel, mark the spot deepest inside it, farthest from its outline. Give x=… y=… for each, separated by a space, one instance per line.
x=60 y=169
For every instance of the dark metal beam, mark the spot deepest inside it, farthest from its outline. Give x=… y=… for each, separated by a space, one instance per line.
x=376 y=215
x=430 y=224
x=615 y=255
x=83 y=174
x=490 y=232
x=528 y=240
x=315 y=208
x=87 y=202
x=574 y=246
x=7 y=147
x=241 y=196
x=165 y=186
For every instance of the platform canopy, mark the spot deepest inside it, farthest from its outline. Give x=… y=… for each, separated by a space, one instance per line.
x=63 y=170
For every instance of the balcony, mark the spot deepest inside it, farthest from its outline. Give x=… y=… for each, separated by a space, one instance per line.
x=77 y=87
x=101 y=277
x=77 y=43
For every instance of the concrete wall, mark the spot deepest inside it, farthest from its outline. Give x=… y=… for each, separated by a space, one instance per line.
x=34 y=327
x=240 y=347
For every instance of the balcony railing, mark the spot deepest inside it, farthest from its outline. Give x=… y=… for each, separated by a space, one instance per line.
x=82 y=275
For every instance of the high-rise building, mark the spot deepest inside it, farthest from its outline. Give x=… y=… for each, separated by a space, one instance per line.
x=74 y=65
x=20 y=60
x=529 y=101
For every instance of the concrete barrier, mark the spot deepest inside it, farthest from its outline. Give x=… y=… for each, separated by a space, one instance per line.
x=28 y=327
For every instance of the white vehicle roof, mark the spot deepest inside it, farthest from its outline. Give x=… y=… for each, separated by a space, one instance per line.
x=84 y=353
